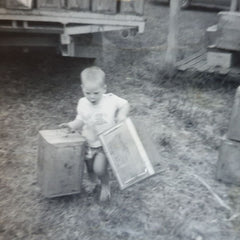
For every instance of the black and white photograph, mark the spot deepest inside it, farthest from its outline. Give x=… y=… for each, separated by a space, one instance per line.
x=119 y=119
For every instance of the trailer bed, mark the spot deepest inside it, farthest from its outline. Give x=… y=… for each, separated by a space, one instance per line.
x=67 y=17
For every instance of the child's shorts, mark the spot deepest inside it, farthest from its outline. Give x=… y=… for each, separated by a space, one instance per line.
x=92 y=152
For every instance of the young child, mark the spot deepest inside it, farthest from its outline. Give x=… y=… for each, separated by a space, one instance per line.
x=97 y=112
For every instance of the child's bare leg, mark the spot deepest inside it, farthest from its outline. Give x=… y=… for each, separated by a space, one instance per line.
x=100 y=168
x=91 y=182
x=89 y=166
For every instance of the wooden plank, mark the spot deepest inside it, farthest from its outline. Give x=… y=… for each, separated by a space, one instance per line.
x=126 y=154
x=60 y=162
x=198 y=66
x=32 y=29
x=50 y=4
x=190 y=58
x=132 y=6
x=203 y=68
x=105 y=6
x=2 y=3
x=16 y=4
x=91 y=29
x=78 y=4
x=191 y=63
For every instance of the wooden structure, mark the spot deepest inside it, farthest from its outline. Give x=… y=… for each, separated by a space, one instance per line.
x=126 y=154
x=171 y=55
x=16 y=4
x=132 y=6
x=60 y=162
x=107 y=6
x=50 y=4
x=223 y=51
x=74 y=27
x=83 y=5
x=228 y=167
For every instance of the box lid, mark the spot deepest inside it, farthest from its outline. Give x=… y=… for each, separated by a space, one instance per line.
x=61 y=136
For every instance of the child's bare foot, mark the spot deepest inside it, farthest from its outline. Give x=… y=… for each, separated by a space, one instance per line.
x=105 y=193
x=93 y=177
x=89 y=186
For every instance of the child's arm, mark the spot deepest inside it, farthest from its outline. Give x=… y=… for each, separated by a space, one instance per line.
x=123 y=112
x=73 y=125
x=77 y=123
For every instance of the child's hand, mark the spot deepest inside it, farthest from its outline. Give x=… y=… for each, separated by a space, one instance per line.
x=63 y=125
x=66 y=125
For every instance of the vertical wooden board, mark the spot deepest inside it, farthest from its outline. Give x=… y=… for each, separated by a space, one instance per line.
x=64 y=171
x=234 y=125
x=126 y=154
x=132 y=6
x=49 y=4
x=78 y=4
x=17 y=4
x=147 y=140
x=106 y=6
x=60 y=163
x=228 y=166
x=2 y=3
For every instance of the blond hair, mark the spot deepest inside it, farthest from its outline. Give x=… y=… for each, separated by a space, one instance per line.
x=92 y=74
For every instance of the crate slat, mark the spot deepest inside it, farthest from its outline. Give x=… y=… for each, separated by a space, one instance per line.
x=106 y=6
x=2 y=3
x=48 y=4
x=132 y=6
x=78 y=4
x=16 y=4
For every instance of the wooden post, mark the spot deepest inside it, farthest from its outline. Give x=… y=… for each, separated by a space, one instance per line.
x=234 y=5
x=171 y=55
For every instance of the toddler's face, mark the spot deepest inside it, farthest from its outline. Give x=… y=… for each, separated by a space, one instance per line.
x=93 y=92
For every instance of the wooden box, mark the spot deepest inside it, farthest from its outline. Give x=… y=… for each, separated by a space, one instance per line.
x=219 y=59
x=106 y=6
x=50 y=4
x=78 y=4
x=126 y=154
x=60 y=162
x=228 y=166
x=132 y=6
x=228 y=31
x=19 y=4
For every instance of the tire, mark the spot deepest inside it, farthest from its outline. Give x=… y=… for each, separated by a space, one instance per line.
x=184 y=4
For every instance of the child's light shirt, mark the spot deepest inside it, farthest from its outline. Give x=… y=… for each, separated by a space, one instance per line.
x=102 y=115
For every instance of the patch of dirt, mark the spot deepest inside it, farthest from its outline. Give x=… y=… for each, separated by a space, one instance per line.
x=186 y=116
